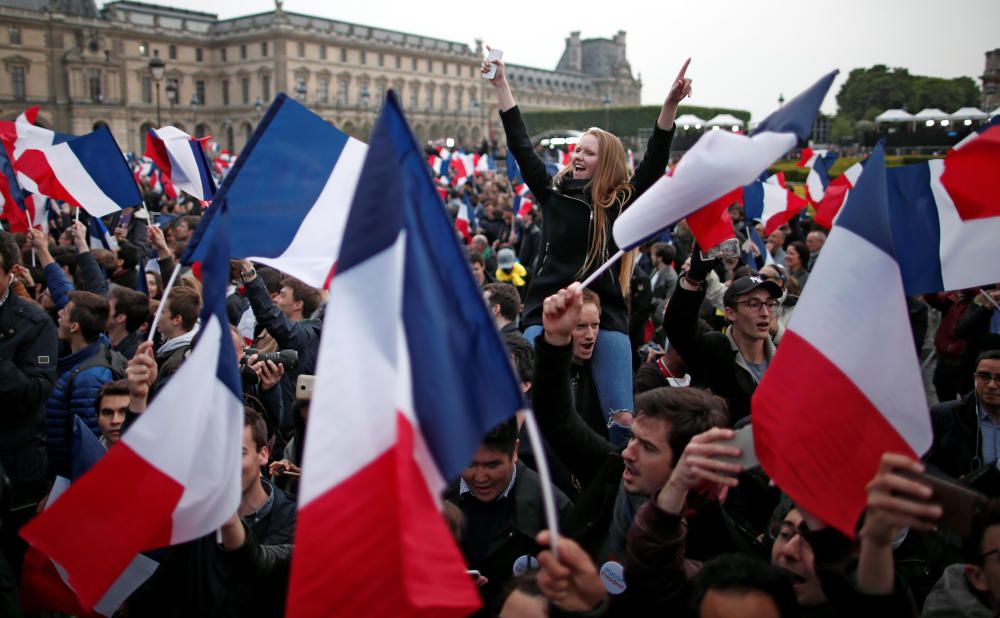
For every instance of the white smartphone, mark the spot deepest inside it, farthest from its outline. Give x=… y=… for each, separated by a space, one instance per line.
x=495 y=54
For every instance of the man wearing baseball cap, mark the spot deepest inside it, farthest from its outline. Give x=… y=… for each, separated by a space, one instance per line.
x=731 y=362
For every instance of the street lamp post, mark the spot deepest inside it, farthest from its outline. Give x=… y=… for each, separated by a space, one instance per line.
x=194 y=113
x=781 y=99
x=156 y=68
x=364 y=107
x=171 y=98
x=300 y=90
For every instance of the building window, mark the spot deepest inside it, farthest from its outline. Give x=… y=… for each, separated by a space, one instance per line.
x=381 y=95
x=458 y=100
x=343 y=54
x=263 y=48
x=144 y=48
x=147 y=89
x=430 y=98
x=399 y=62
x=225 y=92
x=444 y=68
x=322 y=52
x=414 y=95
x=381 y=60
x=324 y=90
x=199 y=91
x=364 y=57
x=265 y=87
x=245 y=88
x=430 y=66
x=444 y=99
x=94 y=85
x=172 y=52
x=343 y=90
x=222 y=54
x=243 y=52
x=302 y=50
x=413 y=63
x=17 y=82
x=15 y=35
x=472 y=71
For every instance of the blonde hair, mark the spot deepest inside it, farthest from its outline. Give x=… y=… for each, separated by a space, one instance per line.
x=609 y=186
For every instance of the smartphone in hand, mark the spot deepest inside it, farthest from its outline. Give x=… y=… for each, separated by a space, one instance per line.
x=960 y=506
x=495 y=54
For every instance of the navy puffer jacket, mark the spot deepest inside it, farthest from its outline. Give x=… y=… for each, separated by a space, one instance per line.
x=79 y=402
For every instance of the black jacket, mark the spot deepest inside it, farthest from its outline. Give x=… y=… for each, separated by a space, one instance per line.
x=516 y=537
x=566 y=224
x=29 y=349
x=531 y=245
x=957 y=448
x=710 y=357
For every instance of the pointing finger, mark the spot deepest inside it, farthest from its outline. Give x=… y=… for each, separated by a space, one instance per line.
x=684 y=69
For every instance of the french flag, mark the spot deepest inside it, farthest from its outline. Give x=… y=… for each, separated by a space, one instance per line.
x=181 y=160
x=175 y=474
x=771 y=203
x=464 y=222
x=513 y=171
x=463 y=166
x=440 y=163
x=828 y=406
x=483 y=163
x=719 y=162
x=946 y=216
x=88 y=172
x=818 y=178
x=712 y=224
x=388 y=429
x=835 y=195
x=100 y=237
x=290 y=191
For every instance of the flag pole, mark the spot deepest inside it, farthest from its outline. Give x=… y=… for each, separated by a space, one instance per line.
x=989 y=298
x=163 y=301
x=548 y=498
x=597 y=273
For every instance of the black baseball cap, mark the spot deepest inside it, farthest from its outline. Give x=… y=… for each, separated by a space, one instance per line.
x=745 y=285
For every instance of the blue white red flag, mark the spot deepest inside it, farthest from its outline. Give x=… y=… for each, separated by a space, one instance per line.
x=175 y=474
x=88 y=172
x=771 y=203
x=946 y=216
x=718 y=163
x=860 y=403
x=100 y=237
x=181 y=159
x=835 y=195
x=387 y=428
x=465 y=222
x=818 y=178
x=513 y=171
x=290 y=191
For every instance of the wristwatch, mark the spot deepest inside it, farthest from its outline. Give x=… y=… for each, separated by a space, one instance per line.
x=250 y=274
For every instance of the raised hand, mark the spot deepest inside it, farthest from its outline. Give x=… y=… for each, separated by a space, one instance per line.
x=561 y=314
x=569 y=580
x=141 y=373
x=681 y=88
x=700 y=466
x=501 y=74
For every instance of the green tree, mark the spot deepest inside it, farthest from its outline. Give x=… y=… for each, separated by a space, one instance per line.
x=869 y=92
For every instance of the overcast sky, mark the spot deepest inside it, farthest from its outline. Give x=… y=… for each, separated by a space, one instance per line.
x=744 y=54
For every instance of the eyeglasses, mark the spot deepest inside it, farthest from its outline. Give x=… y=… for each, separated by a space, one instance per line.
x=989 y=553
x=986 y=378
x=754 y=304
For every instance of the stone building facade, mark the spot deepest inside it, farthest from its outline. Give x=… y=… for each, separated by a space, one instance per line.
x=991 y=81
x=84 y=66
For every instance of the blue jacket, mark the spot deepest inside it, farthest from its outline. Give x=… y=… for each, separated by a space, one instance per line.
x=63 y=404
x=91 y=276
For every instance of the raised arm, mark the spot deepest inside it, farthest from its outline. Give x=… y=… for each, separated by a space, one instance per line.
x=657 y=154
x=518 y=142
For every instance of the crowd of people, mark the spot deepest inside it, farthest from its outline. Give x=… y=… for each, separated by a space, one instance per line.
x=641 y=384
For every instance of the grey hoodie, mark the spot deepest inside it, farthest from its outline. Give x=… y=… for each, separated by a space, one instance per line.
x=952 y=596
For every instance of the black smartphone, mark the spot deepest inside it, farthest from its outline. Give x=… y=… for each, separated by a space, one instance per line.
x=960 y=506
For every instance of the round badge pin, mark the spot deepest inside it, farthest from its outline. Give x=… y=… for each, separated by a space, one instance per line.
x=613 y=576
x=524 y=563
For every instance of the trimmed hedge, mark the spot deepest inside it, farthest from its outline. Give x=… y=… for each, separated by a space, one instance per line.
x=793 y=173
x=622 y=121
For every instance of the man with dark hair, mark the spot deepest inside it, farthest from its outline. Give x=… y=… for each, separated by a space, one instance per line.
x=731 y=363
x=297 y=300
x=178 y=326
x=531 y=242
x=111 y=404
x=480 y=274
x=500 y=499
x=89 y=365
x=505 y=305
x=664 y=278
x=972 y=589
x=290 y=320
x=184 y=228
x=967 y=430
x=127 y=311
x=29 y=347
x=740 y=585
